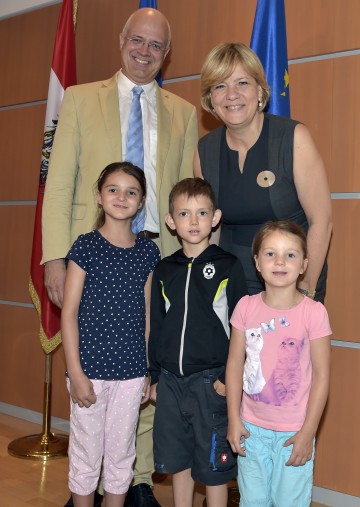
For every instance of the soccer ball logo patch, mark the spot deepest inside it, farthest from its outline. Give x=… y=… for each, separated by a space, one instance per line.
x=209 y=271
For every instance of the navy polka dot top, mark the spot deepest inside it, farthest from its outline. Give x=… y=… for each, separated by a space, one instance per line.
x=112 y=307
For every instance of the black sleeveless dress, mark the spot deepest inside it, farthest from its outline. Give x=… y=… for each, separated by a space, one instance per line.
x=264 y=190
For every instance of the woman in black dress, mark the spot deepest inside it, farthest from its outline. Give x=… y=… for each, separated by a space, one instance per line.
x=262 y=167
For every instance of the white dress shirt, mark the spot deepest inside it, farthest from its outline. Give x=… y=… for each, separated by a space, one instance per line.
x=149 y=114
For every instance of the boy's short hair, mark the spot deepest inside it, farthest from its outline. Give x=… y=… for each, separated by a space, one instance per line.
x=191 y=187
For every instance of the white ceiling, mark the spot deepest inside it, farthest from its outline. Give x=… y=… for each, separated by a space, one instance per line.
x=10 y=8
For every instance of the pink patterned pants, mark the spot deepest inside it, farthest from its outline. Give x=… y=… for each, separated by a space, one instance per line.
x=105 y=432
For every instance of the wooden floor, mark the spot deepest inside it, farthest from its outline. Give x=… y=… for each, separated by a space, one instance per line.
x=25 y=483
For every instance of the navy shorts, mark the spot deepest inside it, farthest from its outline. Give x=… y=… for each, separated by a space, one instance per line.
x=190 y=428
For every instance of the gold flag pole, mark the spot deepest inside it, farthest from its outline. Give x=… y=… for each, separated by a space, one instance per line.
x=46 y=445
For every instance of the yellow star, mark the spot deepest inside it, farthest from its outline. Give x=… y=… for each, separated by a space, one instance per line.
x=286 y=83
x=286 y=79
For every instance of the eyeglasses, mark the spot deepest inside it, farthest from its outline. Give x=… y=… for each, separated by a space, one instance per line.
x=138 y=42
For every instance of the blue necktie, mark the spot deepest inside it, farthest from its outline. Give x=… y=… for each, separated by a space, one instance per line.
x=135 y=147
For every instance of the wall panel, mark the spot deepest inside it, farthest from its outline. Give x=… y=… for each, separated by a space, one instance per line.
x=17 y=224
x=26 y=47
x=312 y=104
x=190 y=91
x=345 y=175
x=321 y=27
x=20 y=151
x=346 y=34
x=23 y=364
x=310 y=27
x=338 y=443
x=202 y=28
x=342 y=300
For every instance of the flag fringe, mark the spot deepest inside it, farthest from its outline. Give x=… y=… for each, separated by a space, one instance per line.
x=75 y=10
x=48 y=344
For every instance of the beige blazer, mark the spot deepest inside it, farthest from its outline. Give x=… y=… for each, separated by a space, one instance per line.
x=88 y=137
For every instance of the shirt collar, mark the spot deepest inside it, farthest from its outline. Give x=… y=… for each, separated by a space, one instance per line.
x=125 y=87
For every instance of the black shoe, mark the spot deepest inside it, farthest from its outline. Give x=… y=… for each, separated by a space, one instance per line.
x=97 y=501
x=69 y=503
x=141 y=495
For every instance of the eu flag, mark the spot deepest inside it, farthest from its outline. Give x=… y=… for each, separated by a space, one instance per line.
x=268 y=40
x=151 y=4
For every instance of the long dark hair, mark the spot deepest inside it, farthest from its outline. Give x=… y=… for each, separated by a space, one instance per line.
x=125 y=167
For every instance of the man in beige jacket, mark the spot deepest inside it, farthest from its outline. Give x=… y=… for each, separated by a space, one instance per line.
x=91 y=133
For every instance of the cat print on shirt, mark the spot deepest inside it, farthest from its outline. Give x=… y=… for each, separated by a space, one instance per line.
x=253 y=380
x=284 y=383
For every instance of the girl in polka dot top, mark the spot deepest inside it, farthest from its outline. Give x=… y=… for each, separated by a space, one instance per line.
x=104 y=324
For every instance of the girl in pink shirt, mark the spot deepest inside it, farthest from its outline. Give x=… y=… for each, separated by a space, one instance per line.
x=277 y=375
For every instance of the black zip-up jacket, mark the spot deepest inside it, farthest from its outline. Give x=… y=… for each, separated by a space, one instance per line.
x=191 y=303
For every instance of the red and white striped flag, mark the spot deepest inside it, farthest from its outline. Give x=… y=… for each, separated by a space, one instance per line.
x=62 y=75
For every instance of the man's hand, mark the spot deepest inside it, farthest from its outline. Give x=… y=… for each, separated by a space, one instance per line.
x=146 y=391
x=153 y=389
x=54 y=279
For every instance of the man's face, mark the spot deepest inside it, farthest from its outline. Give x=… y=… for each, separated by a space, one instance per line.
x=141 y=63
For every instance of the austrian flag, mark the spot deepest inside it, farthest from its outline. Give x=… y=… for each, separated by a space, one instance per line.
x=62 y=75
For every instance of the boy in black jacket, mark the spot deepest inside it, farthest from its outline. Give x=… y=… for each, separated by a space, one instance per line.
x=194 y=292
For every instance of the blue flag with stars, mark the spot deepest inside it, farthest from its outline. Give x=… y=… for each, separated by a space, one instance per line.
x=151 y=4
x=268 y=40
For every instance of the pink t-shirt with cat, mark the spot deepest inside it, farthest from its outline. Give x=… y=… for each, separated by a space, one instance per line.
x=278 y=370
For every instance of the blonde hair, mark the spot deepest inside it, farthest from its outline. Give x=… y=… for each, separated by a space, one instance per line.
x=221 y=62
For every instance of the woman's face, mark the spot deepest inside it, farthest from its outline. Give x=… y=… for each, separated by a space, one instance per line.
x=235 y=100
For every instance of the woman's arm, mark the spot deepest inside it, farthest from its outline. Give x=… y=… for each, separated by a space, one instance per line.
x=303 y=439
x=81 y=388
x=234 y=387
x=314 y=195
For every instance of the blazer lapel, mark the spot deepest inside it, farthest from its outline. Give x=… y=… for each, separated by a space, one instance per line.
x=109 y=103
x=165 y=117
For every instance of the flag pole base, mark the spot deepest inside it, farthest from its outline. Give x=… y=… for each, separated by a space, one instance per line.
x=41 y=447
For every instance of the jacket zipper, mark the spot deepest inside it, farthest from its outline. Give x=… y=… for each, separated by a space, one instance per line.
x=186 y=303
